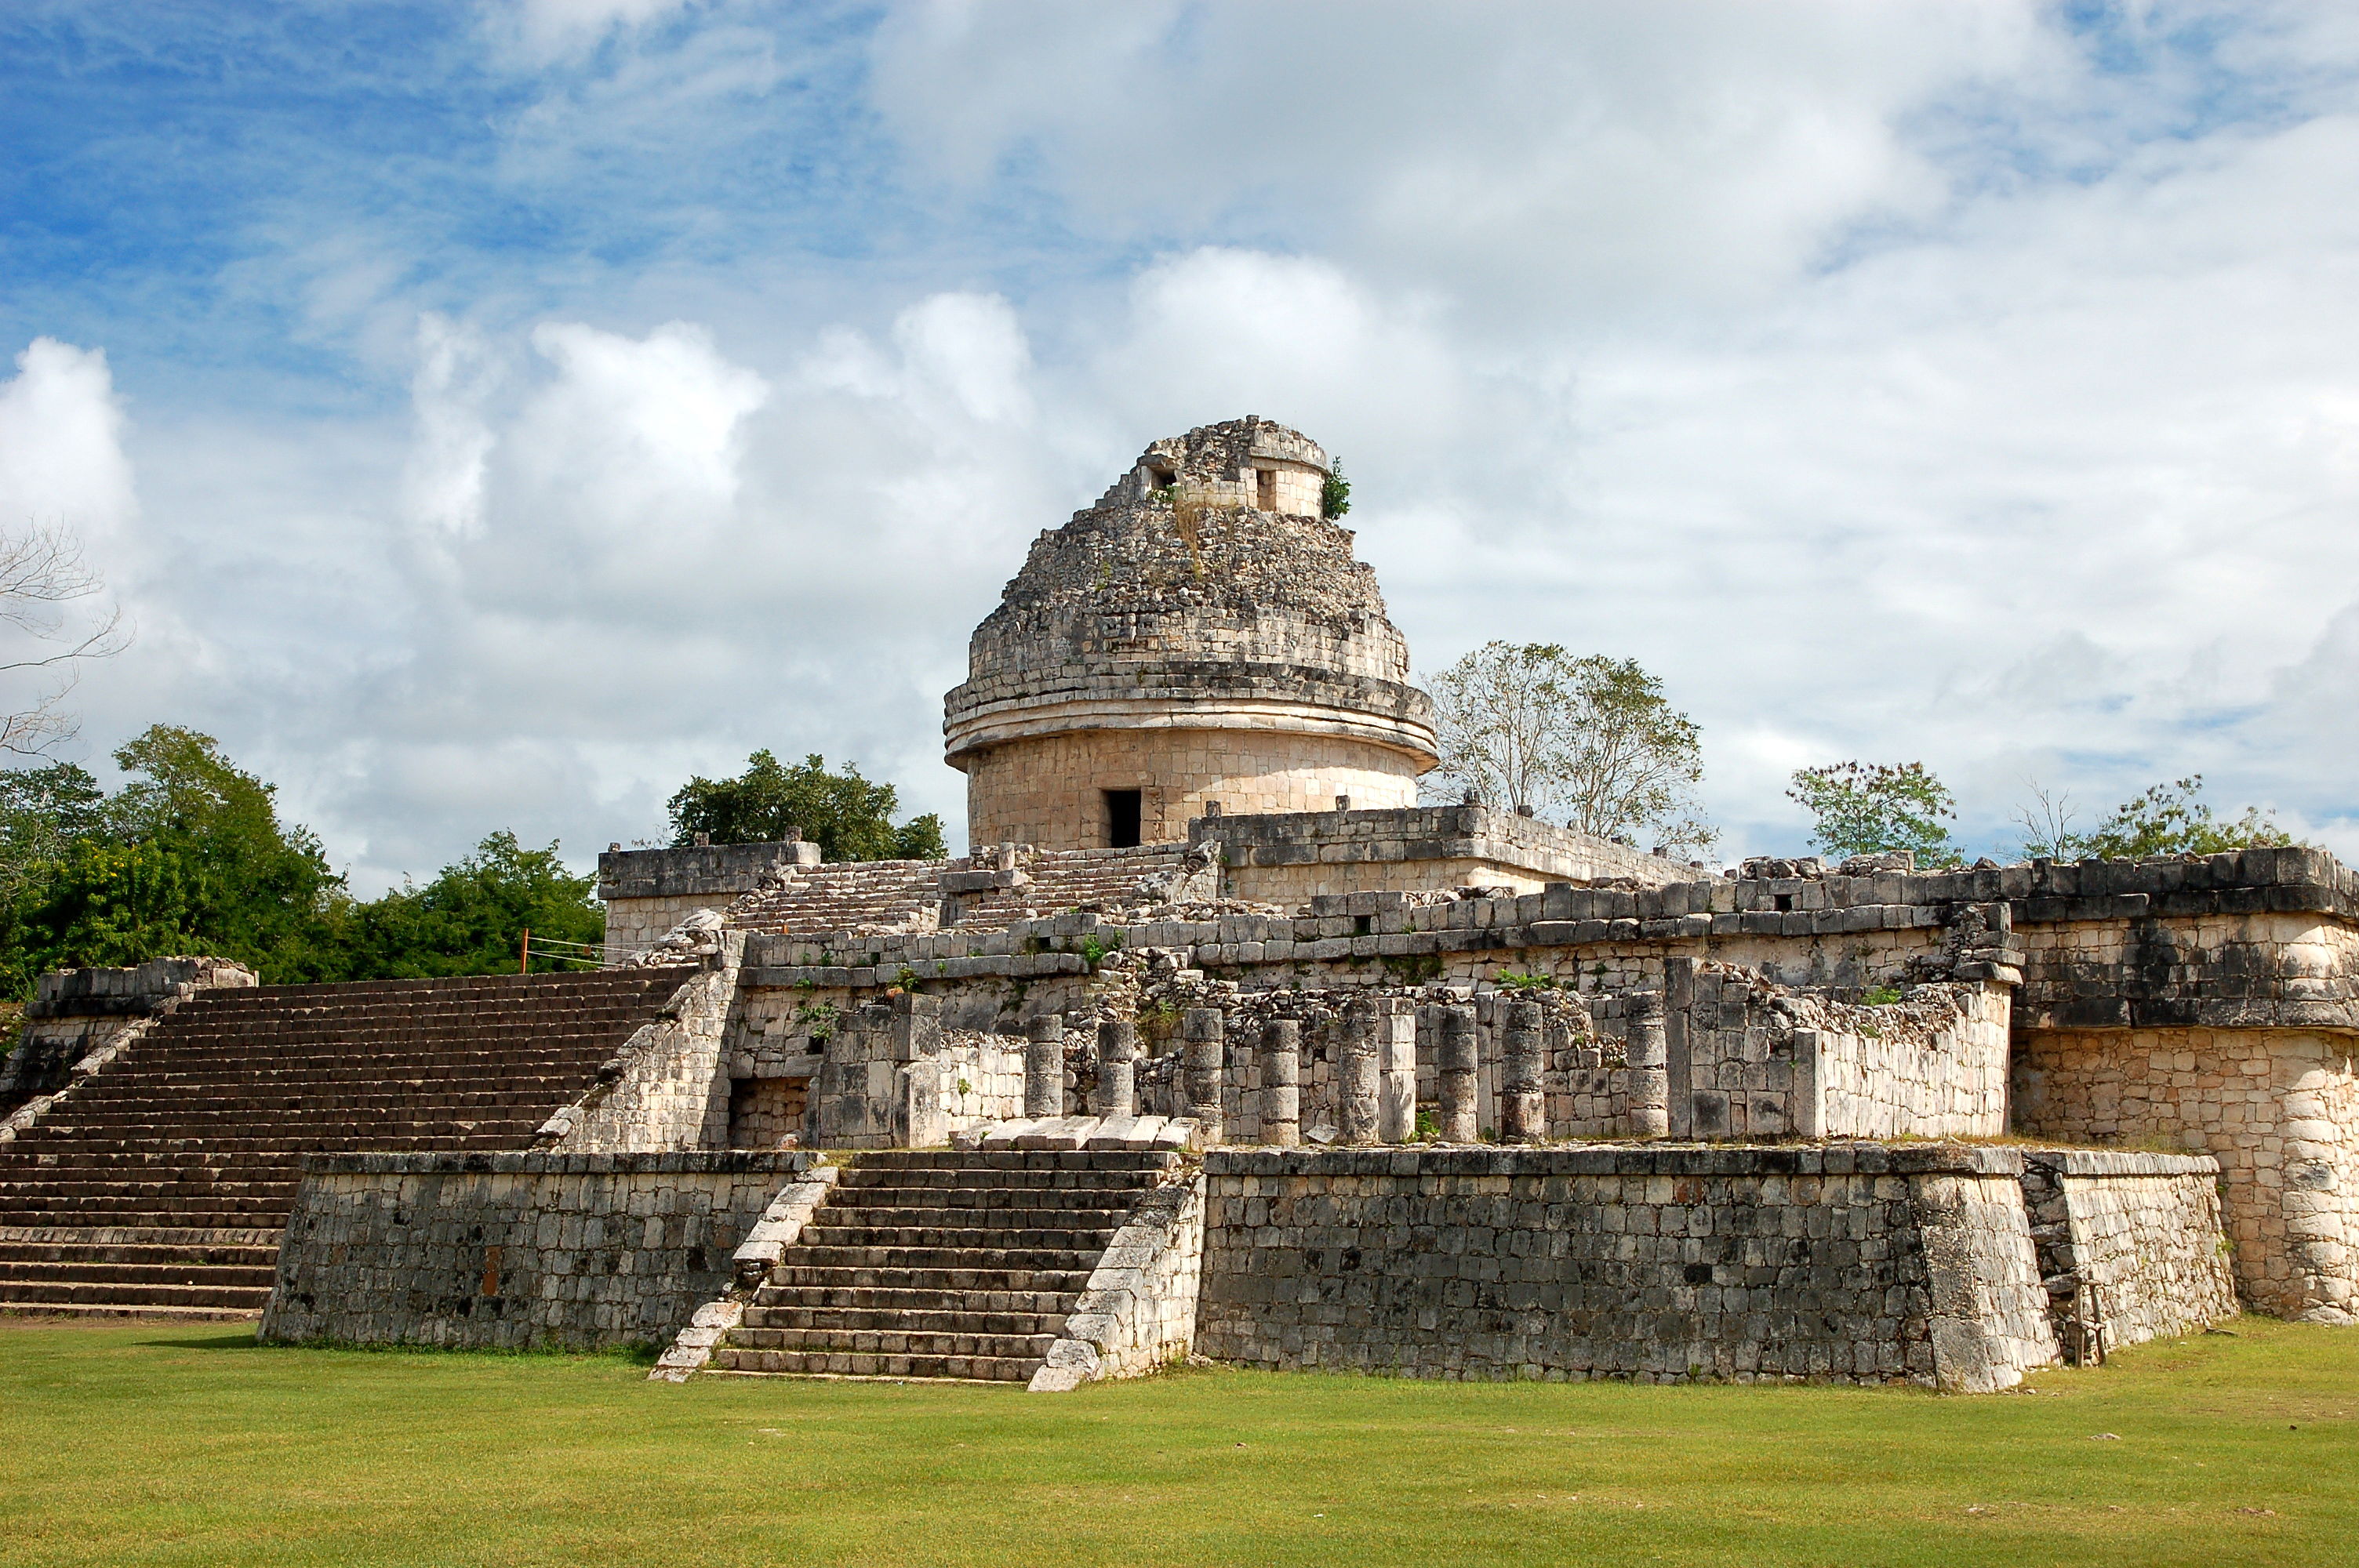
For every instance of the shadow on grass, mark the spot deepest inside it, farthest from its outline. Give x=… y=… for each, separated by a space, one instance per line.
x=231 y=1340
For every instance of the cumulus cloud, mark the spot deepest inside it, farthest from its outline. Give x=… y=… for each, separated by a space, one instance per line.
x=61 y=457
x=1960 y=380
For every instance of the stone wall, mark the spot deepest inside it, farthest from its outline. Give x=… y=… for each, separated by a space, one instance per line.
x=80 y=1020
x=1851 y=1263
x=513 y=1252
x=669 y=1087
x=2277 y=1108
x=1049 y=790
x=649 y=892
x=1137 y=1312
x=1752 y=1058
x=1293 y=858
x=2143 y=1229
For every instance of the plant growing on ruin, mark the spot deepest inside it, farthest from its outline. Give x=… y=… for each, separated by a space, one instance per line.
x=1335 y=492
x=817 y=1019
x=1880 y=996
x=1867 y=808
x=1096 y=948
x=2168 y=818
x=1521 y=980
x=1529 y=728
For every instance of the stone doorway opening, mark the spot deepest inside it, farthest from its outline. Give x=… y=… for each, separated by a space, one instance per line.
x=1122 y=818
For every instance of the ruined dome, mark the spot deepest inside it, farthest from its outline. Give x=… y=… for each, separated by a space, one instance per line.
x=1202 y=593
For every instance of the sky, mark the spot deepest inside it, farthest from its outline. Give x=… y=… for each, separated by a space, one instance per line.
x=487 y=416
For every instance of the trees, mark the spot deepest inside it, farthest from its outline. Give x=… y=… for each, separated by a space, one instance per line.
x=2162 y=819
x=42 y=573
x=189 y=856
x=849 y=818
x=1863 y=808
x=1530 y=728
x=469 y=919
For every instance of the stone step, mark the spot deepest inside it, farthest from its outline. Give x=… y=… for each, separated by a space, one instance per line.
x=978 y=1259
x=1066 y=1207
x=12 y=1308
x=1012 y=1160
x=997 y=1238
x=142 y=1293
x=894 y=1342
x=162 y=1255
x=888 y=1320
x=835 y=1277
x=83 y=1271
x=857 y=1364
x=1046 y=1303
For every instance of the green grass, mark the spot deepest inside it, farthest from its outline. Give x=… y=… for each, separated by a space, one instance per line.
x=160 y=1443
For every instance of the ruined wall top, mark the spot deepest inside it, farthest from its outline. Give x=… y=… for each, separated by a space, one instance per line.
x=1205 y=575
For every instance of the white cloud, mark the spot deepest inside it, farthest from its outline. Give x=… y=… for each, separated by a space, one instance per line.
x=61 y=458
x=456 y=376
x=640 y=435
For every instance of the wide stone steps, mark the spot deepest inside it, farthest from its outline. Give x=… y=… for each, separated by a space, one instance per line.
x=161 y=1185
x=38 y=1271
x=929 y=1263
x=36 y=1295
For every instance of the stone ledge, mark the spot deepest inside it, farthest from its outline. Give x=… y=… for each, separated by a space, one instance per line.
x=705 y=1162
x=2120 y=1163
x=1636 y=1160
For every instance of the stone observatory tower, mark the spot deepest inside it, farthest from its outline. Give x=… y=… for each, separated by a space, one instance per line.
x=1200 y=641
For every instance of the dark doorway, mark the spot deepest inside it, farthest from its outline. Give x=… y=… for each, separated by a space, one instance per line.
x=1265 y=489
x=1122 y=818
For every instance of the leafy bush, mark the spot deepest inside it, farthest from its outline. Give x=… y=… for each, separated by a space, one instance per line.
x=849 y=818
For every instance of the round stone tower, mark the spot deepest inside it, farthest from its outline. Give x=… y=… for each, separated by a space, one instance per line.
x=1201 y=640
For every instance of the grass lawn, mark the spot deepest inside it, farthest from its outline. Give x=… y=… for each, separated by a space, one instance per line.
x=167 y=1443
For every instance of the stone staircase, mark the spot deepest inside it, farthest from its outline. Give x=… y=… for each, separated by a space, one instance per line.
x=1064 y=880
x=161 y=1186
x=849 y=895
x=927 y=1263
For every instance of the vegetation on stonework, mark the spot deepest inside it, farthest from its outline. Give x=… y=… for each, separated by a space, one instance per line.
x=2169 y=818
x=1592 y=741
x=850 y=818
x=190 y=856
x=1868 y=808
x=187 y=1444
x=1335 y=492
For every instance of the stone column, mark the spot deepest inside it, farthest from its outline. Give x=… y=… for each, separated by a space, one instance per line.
x=1044 y=1067
x=1356 y=1076
x=1523 y=1104
x=1396 y=1070
x=1454 y=1075
x=1206 y=1064
x=1117 y=1053
x=1281 y=1083
x=1650 y=1082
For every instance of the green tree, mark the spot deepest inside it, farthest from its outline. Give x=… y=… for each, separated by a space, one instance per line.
x=848 y=817
x=471 y=919
x=1861 y=808
x=257 y=890
x=1529 y=728
x=1335 y=492
x=2169 y=818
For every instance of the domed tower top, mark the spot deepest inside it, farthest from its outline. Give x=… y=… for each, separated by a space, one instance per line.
x=1201 y=638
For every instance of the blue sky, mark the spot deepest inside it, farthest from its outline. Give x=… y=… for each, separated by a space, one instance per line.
x=489 y=414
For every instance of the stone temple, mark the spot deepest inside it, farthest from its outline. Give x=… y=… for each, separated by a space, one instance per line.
x=1218 y=1044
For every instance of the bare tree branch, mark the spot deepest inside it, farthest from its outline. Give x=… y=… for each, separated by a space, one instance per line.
x=42 y=570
